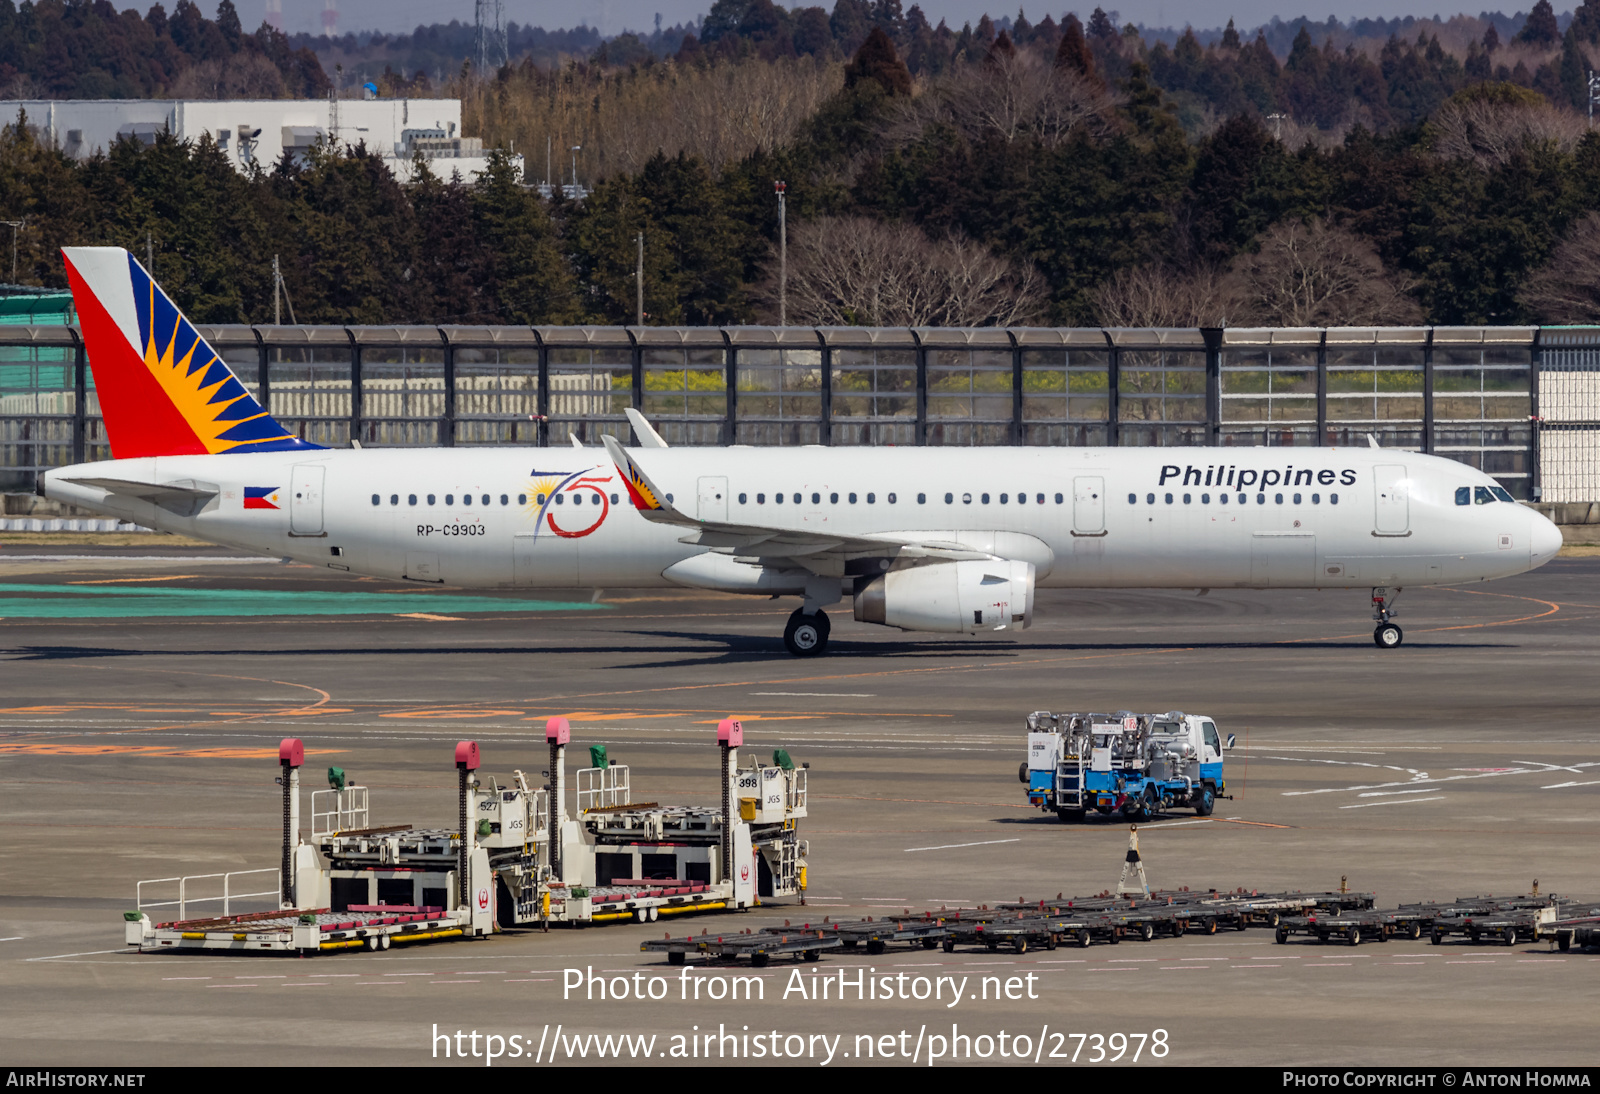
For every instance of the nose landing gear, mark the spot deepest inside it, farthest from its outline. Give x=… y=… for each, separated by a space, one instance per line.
x=806 y=634
x=1388 y=635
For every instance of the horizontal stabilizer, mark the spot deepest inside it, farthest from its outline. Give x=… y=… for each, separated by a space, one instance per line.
x=187 y=490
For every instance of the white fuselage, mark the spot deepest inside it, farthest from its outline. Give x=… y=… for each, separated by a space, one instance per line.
x=1092 y=517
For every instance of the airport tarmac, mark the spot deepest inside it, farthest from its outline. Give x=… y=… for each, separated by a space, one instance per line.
x=145 y=689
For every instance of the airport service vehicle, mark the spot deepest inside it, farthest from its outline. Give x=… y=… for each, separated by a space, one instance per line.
x=515 y=857
x=941 y=540
x=1134 y=764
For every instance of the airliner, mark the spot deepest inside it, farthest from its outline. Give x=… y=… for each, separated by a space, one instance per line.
x=941 y=540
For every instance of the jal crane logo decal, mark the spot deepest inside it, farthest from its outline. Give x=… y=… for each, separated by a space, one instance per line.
x=552 y=490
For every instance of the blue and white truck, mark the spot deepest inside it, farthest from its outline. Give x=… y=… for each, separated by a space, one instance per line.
x=1137 y=765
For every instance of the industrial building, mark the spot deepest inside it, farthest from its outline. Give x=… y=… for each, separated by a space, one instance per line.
x=256 y=132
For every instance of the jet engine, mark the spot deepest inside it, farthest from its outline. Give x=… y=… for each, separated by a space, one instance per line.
x=950 y=597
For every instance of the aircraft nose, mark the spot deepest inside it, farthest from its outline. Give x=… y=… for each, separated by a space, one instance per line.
x=1544 y=539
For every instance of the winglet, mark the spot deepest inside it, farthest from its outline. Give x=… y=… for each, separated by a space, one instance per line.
x=1372 y=440
x=648 y=437
x=650 y=502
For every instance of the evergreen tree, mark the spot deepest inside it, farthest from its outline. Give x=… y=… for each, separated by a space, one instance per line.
x=1101 y=28
x=527 y=275
x=1541 y=28
x=1073 y=53
x=1573 y=70
x=876 y=60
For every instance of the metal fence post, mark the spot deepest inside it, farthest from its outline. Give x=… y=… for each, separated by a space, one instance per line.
x=922 y=389
x=1535 y=372
x=355 y=387
x=1016 y=388
x=825 y=426
x=730 y=425
x=1213 y=340
x=80 y=399
x=542 y=432
x=447 y=426
x=1113 y=382
x=1427 y=393
x=1322 y=389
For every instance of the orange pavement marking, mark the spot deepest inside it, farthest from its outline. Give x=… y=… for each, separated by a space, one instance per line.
x=135 y=580
x=426 y=615
x=452 y=714
x=47 y=748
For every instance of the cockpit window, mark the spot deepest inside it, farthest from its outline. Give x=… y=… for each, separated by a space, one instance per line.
x=1463 y=495
x=1482 y=495
x=1503 y=494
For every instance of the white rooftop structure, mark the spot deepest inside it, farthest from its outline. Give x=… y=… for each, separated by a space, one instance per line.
x=258 y=131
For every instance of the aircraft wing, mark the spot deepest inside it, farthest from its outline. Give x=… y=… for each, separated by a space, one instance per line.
x=820 y=552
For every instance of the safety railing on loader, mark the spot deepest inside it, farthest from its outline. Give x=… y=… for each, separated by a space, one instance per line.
x=346 y=811
x=226 y=898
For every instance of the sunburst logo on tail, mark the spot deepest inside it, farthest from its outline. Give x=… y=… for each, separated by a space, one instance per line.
x=224 y=416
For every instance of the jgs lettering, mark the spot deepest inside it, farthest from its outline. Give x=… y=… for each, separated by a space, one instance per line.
x=1231 y=475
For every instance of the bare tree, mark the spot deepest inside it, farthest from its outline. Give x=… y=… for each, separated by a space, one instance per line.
x=246 y=76
x=621 y=117
x=1156 y=295
x=853 y=271
x=1490 y=133
x=1566 y=289
x=1318 y=275
x=1009 y=95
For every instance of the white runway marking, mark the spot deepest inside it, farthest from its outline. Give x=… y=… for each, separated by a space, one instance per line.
x=948 y=846
x=822 y=694
x=1399 y=801
x=1171 y=824
x=86 y=953
x=1552 y=786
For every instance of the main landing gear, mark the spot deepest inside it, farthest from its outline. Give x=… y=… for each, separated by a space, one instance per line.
x=806 y=634
x=1388 y=635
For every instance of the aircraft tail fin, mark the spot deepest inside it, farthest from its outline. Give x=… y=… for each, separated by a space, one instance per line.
x=163 y=390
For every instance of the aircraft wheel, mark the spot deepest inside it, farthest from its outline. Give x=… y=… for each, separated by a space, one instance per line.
x=806 y=635
x=1387 y=636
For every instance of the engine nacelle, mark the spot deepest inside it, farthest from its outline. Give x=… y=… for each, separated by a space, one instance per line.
x=951 y=597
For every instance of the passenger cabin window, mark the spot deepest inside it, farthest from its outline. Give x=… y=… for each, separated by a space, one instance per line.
x=376 y=500
x=411 y=499
x=741 y=499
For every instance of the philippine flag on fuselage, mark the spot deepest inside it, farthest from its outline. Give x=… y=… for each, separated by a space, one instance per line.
x=260 y=497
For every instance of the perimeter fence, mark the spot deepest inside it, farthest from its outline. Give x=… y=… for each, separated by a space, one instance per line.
x=1520 y=403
